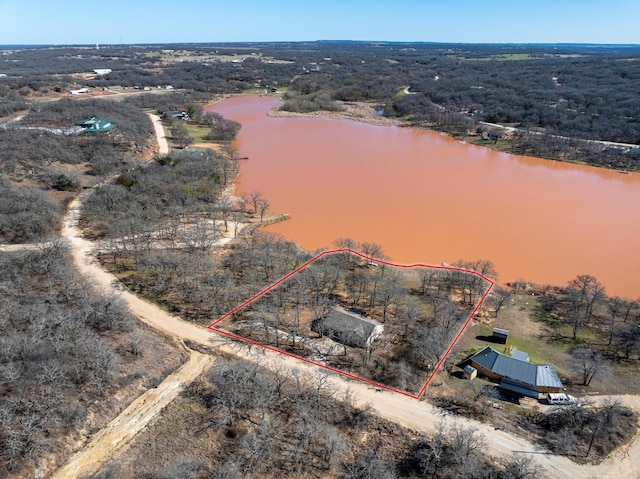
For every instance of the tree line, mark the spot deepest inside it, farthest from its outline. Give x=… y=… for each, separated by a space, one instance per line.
x=574 y=91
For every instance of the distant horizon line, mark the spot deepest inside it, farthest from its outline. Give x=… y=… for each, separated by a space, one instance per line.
x=264 y=42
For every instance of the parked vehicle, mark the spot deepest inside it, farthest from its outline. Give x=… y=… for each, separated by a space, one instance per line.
x=561 y=398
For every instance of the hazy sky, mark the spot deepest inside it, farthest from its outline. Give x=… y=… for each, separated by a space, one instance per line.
x=164 y=21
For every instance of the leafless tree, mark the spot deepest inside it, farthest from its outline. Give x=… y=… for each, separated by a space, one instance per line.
x=583 y=293
x=200 y=234
x=521 y=466
x=255 y=197
x=499 y=298
x=389 y=292
x=615 y=307
x=236 y=218
x=225 y=205
x=469 y=284
x=627 y=340
x=243 y=200
x=590 y=364
x=263 y=206
x=367 y=466
x=428 y=276
x=372 y=250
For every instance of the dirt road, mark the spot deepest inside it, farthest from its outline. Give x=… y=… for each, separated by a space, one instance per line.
x=119 y=432
x=163 y=146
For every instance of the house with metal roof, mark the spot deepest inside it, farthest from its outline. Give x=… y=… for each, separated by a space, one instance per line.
x=95 y=124
x=348 y=328
x=516 y=375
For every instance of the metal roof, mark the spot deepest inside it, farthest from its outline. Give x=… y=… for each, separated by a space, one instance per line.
x=95 y=124
x=521 y=355
x=521 y=371
x=518 y=388
x=346 y=327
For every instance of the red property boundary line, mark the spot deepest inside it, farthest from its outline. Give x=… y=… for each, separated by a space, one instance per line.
x=343 y=373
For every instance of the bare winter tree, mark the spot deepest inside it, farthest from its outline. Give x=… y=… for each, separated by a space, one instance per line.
x=367 y=466
x=521 y=466
x=225 y=205
x=201 y=234
x=372 y=250
x=263 y=206
x=615 y=307
x=627 y=340
x=590 y=364
x=583 y=294
x=499 y=298
x=428 y=278
x=255 y=197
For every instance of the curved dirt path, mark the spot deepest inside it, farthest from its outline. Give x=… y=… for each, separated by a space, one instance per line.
x=416 y=415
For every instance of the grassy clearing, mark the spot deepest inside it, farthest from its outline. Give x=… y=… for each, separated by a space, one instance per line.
x=525 y=334
x=547 y=342
x=198 y=132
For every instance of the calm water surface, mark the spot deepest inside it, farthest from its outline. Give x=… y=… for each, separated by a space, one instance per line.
x=429 y=199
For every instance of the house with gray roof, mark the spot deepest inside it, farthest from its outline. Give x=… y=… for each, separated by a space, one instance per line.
x=348 y=328
x=516 y=375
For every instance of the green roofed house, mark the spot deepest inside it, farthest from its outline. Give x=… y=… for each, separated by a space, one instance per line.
x=95 y=124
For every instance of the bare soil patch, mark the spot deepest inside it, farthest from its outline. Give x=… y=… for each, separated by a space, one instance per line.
x=355 y=111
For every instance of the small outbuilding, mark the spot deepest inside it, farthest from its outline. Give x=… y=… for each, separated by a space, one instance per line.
x=500 y=335
x=348 y=328
x=470 y=372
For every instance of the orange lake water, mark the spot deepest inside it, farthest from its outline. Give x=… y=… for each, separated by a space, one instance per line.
x=426 y=198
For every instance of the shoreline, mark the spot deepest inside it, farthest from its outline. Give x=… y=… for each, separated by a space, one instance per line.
x=363 y=112
x=353 y=111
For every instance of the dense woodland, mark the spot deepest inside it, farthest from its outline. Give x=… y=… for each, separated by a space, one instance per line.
x=553 y=93
x=182 y=275
x=175 y=198
x=35 y=164
x=63 y=346
x=421 y=311
x=25 y=214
